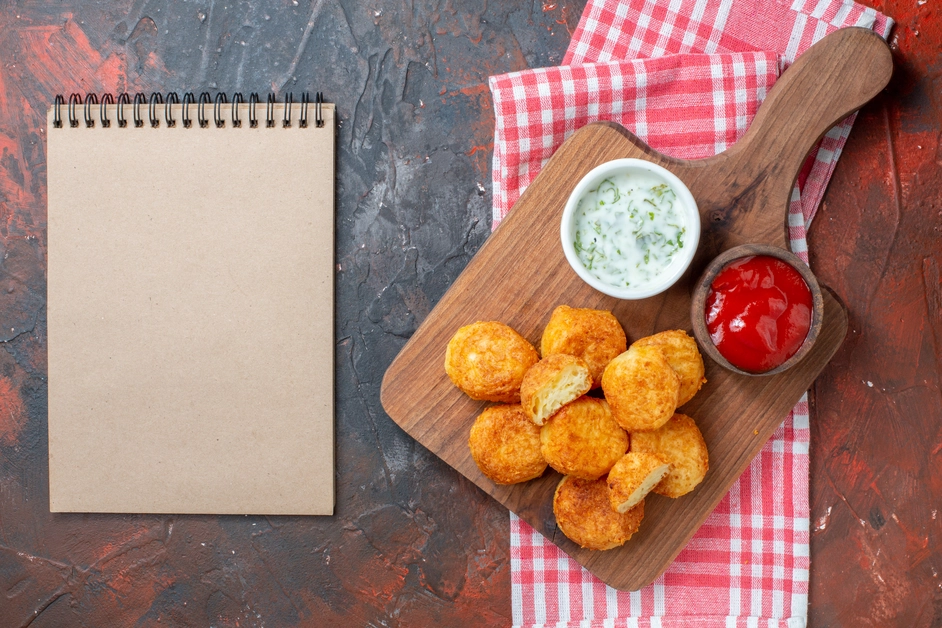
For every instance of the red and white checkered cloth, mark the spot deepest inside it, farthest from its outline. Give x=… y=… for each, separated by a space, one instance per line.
x=687 y=77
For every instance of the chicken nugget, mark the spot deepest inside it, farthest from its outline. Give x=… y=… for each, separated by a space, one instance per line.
x=642 y=388
x=684 y=357
x=633 y=477
x=487 y=360
x=584 y=514
x=596 y=336
x=680 y=443
x=551 y=383
x=505 y=444
x=582 y=439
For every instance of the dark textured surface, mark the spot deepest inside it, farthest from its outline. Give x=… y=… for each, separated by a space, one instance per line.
x=876 y=445
x=412 y=543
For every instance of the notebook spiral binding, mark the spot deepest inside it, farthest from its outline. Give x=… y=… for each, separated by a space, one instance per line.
x=156 y=100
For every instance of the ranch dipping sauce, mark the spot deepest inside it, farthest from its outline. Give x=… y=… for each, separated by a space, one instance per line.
x=628 y=229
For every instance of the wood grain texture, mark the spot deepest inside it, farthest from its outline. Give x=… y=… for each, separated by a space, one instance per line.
x=520 y=275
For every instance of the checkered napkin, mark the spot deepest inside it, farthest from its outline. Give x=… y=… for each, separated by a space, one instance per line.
x=686 y=76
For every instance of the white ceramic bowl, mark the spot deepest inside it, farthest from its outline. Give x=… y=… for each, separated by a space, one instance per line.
x=669 y=275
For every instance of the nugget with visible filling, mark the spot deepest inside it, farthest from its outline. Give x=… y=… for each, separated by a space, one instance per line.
x=680 y=443
x=633 y=477
x=551 y=383
x=684 y=357
x=582 y=439
x=596 y=336
x=505 y=444
x=584 y=514
x=642 y=388
x=487 y=360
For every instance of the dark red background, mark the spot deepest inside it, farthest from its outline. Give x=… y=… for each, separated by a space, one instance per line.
x=413 y=543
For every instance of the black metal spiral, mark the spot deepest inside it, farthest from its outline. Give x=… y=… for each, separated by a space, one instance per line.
x=123 y=100
x=253 y=103
x=90 y=99
x=289 y=102
x=236 y=101
x=139 y=100
x=270 y=112
x=172 y=99
x=188 y=99
x=106 y=99
x=218 y=102
x=200 y=112
x=74 y=101
x=156 y=100
x=318 y=110
x=57 y=111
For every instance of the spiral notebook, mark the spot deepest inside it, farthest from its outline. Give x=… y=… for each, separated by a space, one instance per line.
x=190 y=305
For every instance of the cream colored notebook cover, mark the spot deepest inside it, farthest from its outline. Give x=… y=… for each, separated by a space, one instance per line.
x=190 y=311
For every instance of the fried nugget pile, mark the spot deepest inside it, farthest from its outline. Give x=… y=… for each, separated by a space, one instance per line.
x=613 y=449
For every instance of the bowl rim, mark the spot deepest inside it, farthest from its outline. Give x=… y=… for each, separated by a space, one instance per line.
x=689 y=250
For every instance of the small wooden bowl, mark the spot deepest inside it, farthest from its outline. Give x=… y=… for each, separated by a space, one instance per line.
x=702 y=290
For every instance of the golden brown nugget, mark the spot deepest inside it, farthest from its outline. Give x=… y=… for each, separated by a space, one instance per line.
x=596 y=336
x=633 y=477
x=505 y=444
x=642 y=388
x=680 y=443
x=582 y=439
x=487 y=360
x=684 y=357
x=584 y=514
x=551 y=383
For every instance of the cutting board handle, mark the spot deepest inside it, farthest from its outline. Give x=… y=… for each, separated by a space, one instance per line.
x=828 y=82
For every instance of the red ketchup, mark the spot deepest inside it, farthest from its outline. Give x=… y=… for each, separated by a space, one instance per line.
x=758 y=312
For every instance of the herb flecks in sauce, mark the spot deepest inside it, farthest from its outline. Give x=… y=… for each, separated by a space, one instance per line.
x=629 y=229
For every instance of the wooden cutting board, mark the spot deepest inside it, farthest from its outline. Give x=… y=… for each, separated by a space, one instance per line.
x=520 y=275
